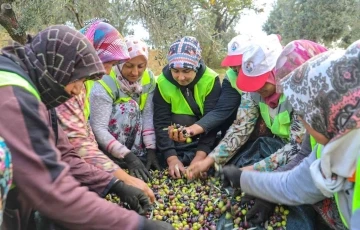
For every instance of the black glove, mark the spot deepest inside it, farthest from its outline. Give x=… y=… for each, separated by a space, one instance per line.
x=230 y=175
x=156 y=225
x=136 y=167
x=151 y=159
x=262 y=208
x=133 y=196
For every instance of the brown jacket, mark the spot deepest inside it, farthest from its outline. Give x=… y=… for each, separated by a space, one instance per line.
x=48 y=177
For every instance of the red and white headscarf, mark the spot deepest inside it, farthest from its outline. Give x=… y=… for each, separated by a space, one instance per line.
x=136 y=47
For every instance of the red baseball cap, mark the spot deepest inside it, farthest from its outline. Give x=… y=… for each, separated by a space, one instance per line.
x=236 y=48
x=257 y=63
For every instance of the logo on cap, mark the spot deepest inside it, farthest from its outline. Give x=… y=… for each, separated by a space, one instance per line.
x=234 y=46
x=249 y=66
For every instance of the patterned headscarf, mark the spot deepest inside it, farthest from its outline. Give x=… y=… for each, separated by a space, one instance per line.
x=326 y=90
x=54 y=58
x=108 y=42
x=294 y=55
x=185 y=53
x=136 y=47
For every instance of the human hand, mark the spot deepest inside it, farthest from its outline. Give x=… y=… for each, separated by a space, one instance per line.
x=176 y=134
x=133 y=196
x=176 y=167
x=136 y=167
x=151 y=159
x=196 y=168
x=133 y=181
x=231 y=176
x=260 y=211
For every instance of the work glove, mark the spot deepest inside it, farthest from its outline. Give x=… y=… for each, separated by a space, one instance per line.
x=134 y=197
x=230 y=176
x=157 y=225
x=136 y=167
x=151 y=159
x=260 y=211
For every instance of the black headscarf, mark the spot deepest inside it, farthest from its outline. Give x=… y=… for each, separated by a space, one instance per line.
x=55 y=57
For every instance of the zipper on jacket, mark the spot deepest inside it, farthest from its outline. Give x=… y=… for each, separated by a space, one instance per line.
x=187 y=92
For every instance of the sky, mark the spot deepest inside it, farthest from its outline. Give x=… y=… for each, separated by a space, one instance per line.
x=250 y=23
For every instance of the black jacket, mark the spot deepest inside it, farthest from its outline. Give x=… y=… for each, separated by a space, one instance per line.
x=163 y=115
x=224 y=113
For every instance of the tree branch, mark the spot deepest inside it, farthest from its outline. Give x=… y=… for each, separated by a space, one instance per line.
x=231 y=21
x=10 y=23
x=76 y=14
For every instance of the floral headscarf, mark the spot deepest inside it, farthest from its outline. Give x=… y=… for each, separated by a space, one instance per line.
x=326 y=90
x=294 y=55
x=108 y=42
x=185 y=53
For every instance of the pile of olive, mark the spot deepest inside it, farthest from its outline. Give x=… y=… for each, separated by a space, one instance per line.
x=199 y=204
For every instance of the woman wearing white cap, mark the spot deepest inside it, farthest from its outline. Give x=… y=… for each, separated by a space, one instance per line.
x=248 y=113
x=325 y=91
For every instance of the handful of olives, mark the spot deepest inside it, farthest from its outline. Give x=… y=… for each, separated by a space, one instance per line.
x=181 y=128
x=199 y=204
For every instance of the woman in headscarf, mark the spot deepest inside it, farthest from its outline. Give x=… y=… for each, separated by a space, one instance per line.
x=35 y=78
x=74 y=114
x=122 y=111
x=325 y=92
x=187 y=89
x=294 y=55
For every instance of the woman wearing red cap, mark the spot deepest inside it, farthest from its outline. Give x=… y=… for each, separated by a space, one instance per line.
x=325 y=92
x=237 y=136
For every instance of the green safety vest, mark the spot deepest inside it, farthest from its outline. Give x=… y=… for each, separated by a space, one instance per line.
x=356 y=197
x=88 y=86
x=231 y=76
x=13 y=79
x=112 y=87
x=172 y=94
x=280 y=125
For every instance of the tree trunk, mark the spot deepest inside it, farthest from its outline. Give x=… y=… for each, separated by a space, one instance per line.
x=9 y=22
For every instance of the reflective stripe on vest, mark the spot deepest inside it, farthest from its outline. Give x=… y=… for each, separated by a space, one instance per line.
x=231 y=76
x=112 y=87
x=13 y=79
x=88 y=86
x=356 y=197
x=172 y=94
x=280 y=125
x=312 y=142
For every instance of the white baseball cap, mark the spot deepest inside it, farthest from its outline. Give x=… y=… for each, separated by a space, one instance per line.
x=236 y=48
x=258 y=62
